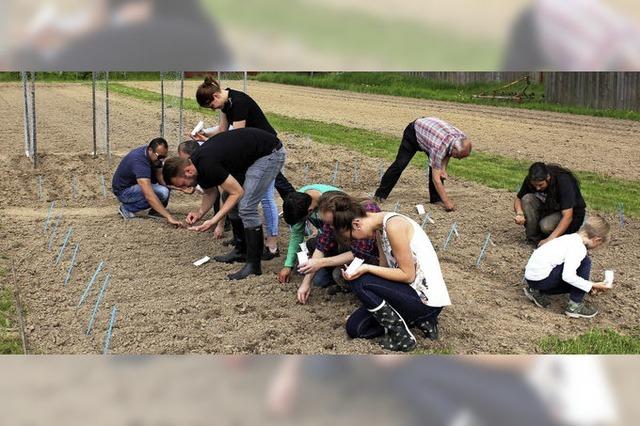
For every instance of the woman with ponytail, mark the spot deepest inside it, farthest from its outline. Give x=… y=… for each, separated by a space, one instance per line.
x=549 y=203
x=405 y=290
x=240 y=110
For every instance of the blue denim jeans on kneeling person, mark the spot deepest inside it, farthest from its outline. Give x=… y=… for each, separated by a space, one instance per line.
x=134 y=201
x=553 y=284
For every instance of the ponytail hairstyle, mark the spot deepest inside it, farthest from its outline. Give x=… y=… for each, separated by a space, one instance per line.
x=346 y=209
x=205 y=92
x=326 y=203
x=540 y=171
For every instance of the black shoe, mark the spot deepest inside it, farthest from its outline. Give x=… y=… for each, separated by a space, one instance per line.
x=238 y=253
x=255 y=243
x=397 y=336
x=267 y=255
x=430 y=329
x=228 y=224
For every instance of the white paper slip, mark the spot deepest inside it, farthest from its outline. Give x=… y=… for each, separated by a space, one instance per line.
x=302 y=258
x=420 y=209
x=201 y=261
x=198 y=128
x=608 y=278
x=303 y=247
x=355 y=264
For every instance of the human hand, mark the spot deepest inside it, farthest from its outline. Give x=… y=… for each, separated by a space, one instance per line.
x=599 y=287
x=545 y=241
x=303 y=292
x=363 y=269
x=173 y=221
x=204 y=227
x=312 y=265
x=284 y=275
x=218 y=233
x=519 y=219
x=449 y=206
x=193 y=217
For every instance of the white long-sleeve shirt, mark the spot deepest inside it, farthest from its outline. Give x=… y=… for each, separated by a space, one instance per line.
x=567 y=249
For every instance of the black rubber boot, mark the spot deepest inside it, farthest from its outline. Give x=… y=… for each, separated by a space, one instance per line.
x=239 y=250
x=255 y=244
x=397 y=335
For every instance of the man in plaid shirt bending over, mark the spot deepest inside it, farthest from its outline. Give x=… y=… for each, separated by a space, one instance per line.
x=440 y=141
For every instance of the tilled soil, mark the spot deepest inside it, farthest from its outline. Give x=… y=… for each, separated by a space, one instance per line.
x=166 y=305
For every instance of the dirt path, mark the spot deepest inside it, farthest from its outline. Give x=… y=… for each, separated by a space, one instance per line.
x=603 y=145
x=166 y=305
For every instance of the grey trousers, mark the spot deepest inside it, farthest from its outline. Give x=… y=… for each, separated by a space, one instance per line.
x=536 y=226
x=260 y=175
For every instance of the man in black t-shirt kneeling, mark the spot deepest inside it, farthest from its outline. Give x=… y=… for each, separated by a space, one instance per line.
x=549 y=203
x=244 y=162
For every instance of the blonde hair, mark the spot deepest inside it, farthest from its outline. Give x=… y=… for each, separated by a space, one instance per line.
x=596 y=227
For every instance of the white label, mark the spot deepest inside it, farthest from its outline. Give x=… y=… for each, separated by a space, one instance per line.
x=608 y=278
x=302 y=258
x=198 y=128
x=303 y=247
x=201 y=261
x=420 y=209
x=353 y=267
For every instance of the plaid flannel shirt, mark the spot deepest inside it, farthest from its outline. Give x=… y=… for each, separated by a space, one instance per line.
x=364 y=249
x=436 y=138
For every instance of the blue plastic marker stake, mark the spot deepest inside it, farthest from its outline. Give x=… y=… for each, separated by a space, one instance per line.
x=454 y=229
x=518 y=188
x=306 y=174
x=46 y=222
x=39 y=187
x=90 y=284
x=621 y=214
x=380 y=173
x=103 y=186
x=334 y=178
x=73 y=261
x=397 y=206
x=484 y=250
x=97 y=305
x=64 y=245
x=107 y=337
x=54 y=231
x=356 y=174
x=426 y=220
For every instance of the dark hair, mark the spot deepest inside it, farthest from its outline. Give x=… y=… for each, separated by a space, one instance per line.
x=205 y=92
x=155 y=143
x=173 y=167
x=296 y=207
x=540 y=171
x=346 y=209
x=326 y=203
x=188 y=147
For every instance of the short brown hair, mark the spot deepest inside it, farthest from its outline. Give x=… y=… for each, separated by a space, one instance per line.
x=596 y=226
x=173 y=167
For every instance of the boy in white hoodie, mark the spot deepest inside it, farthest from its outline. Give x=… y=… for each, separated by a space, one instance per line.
x=563 y=266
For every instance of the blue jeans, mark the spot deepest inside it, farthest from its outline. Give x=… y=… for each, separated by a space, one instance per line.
x=270 y=211
x=553 y=284
x=258 y=179
x=133 y=199
x=372 y=291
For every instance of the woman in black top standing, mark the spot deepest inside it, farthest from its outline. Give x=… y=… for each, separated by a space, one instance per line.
x=240 y=110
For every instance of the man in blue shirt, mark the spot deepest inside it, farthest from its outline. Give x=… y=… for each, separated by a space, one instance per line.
x=138 y=183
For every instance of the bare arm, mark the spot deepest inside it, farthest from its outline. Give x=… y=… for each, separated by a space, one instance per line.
x=154 y=202
x=517 y=208
x=437 y=174
x=234 y=193
x=561 y=228
x=239 y=124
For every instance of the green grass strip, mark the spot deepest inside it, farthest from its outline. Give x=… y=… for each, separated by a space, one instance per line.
x=9 y=342
x=596 y=341
x=495 y=171
x=405 y=85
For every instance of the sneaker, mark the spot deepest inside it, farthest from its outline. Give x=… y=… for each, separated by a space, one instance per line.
x=268 y=255
x=154 y=214
x=430 y=329
x=536 y=297
x=126 y=214
x=580 y=310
